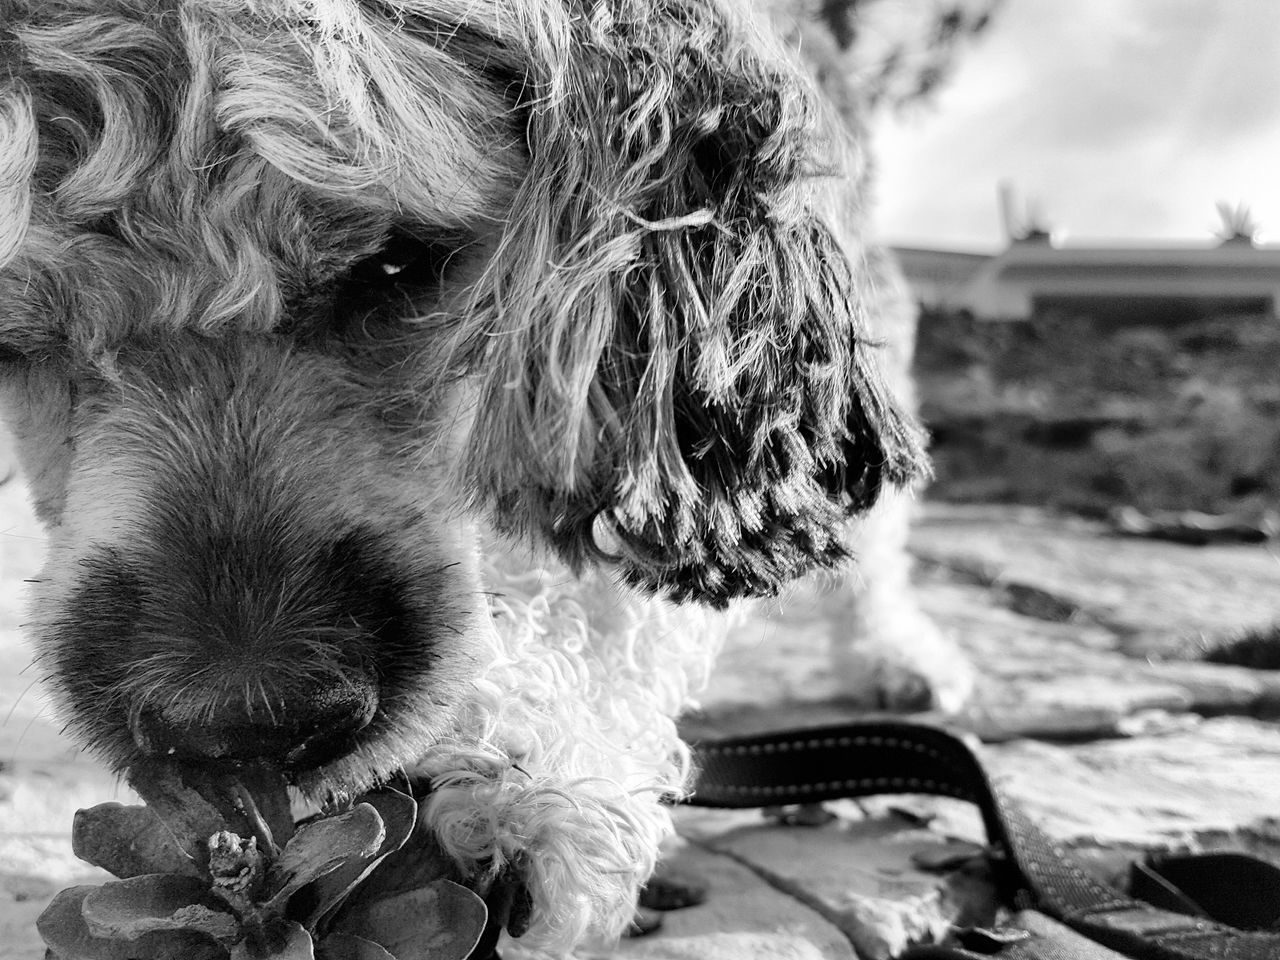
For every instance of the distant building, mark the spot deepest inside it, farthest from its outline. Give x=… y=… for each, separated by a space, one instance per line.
x=940 y=279
x=1121 y=284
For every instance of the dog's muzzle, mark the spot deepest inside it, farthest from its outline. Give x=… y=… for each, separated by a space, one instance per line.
x=315 y=726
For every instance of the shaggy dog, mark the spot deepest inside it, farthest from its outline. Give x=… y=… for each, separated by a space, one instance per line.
x=402 y=382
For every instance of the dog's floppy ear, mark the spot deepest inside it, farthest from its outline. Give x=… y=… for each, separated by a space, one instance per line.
x=676 y=375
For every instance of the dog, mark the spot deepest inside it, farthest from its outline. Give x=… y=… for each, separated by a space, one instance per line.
x=414 y=383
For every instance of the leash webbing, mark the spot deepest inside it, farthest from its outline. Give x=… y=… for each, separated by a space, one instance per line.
x=1035 y=872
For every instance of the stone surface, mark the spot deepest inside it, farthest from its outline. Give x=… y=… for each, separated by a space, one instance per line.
x=1151 y=774
x=19 y=908
x=857 y=871
x=1039 y=678
x=1197 y=785
x=745 y=917
x=1158 y=597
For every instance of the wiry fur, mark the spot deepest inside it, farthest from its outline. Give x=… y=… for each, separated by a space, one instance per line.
x=669 y=305
x=353 y=348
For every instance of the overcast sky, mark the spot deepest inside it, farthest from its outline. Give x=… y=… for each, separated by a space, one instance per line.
x=1122 y=119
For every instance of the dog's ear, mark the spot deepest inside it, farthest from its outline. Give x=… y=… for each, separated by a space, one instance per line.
x=676 y=371
x=17 y=162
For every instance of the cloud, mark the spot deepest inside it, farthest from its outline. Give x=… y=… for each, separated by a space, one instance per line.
x=1128 y=118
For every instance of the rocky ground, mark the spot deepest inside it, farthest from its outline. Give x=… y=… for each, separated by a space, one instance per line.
x=1114 y=747
x=1089 y=709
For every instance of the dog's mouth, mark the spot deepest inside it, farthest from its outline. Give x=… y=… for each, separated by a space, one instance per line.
x=298 y=735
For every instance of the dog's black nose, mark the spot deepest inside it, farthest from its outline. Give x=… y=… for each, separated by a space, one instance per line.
x=302 y=730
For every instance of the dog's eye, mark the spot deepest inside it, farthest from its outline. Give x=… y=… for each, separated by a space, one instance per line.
x=405 y=262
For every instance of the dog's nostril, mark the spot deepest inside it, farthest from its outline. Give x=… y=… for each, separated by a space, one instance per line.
x=304 y=729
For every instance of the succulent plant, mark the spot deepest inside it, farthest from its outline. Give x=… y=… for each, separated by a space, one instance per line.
x=213 y=867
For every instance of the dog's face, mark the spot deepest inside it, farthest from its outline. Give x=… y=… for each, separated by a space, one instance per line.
x=295 y=293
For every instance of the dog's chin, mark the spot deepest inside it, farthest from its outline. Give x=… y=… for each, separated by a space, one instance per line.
x=378 y=754
x=345 y=777
x=320 y=777
x=336 y=782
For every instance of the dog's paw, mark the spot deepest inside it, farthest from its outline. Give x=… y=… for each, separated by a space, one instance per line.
x=906 y=665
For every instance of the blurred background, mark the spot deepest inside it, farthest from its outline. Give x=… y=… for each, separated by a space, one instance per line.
x=1078 y=195
x=1119 y=120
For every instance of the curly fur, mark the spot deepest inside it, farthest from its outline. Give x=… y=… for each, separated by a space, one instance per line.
x=410 y=357
x=568 y=805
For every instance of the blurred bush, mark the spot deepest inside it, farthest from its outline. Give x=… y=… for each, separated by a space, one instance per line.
x=1067 y=412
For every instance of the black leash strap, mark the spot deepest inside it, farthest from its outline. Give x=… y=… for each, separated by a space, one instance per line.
x=873 y=757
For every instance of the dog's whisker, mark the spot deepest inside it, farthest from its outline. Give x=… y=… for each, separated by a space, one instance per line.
x=17 y=702
x=17 y=744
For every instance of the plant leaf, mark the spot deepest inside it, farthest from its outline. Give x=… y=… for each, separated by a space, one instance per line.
x=197 y=800
x=278 y=940
x=419 y=862
x=63 y=929
x=320 y=847
x=129 y=841
x=189 y=817
x=345 y=946
x=269 y=795
x=399 y=813
x=129 y=909
x=441 y=921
